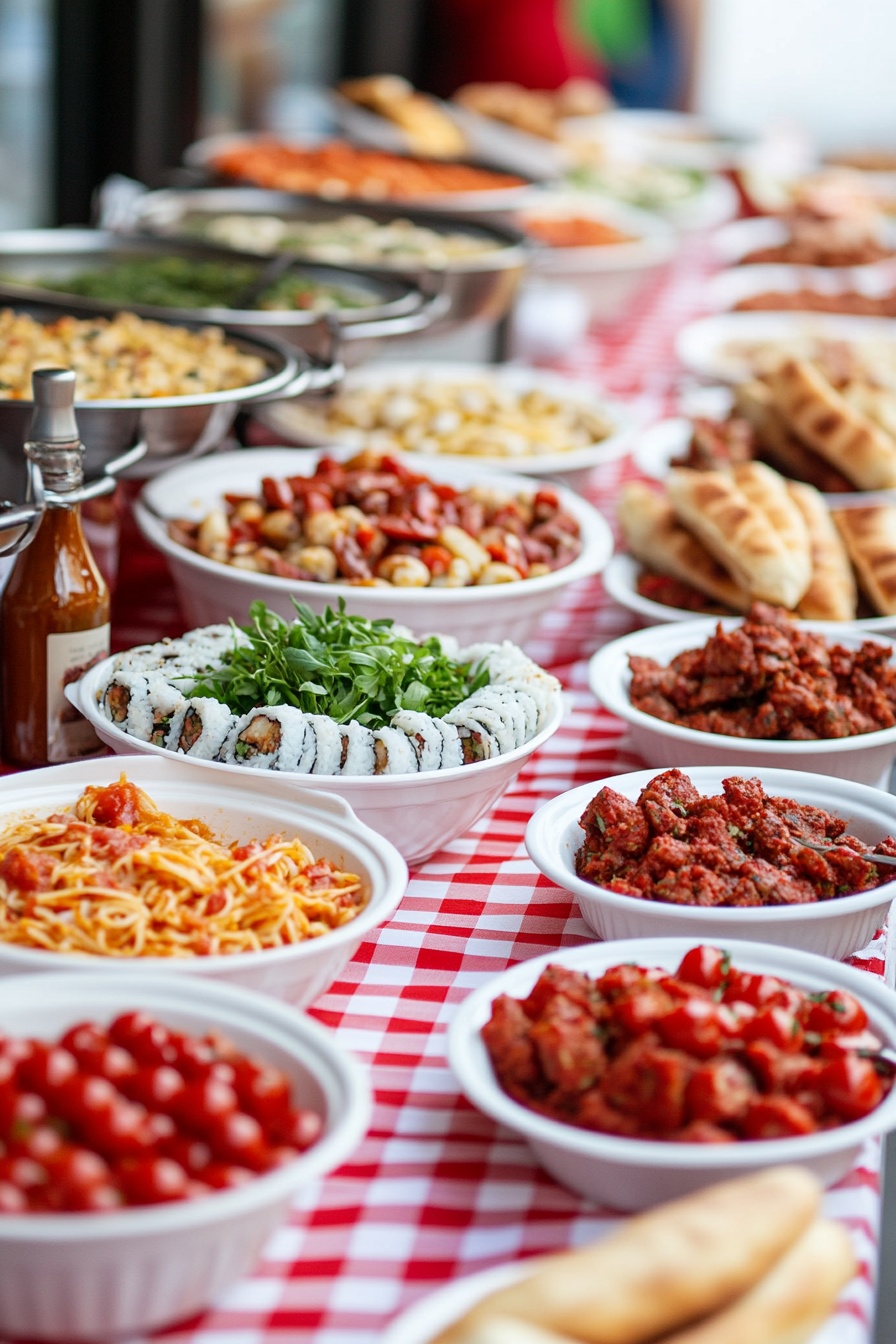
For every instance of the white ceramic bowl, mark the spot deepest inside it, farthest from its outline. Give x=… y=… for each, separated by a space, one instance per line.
x=419 y=814
x=609 y=275
x=730 y=347
x=662 y=136
x=300 y=423
x=865 y=758
x=209 y=592
x=743 y=236
x=729 y=287
x=235 y=809
x=637 y=1173
x=69 y=1277
x=620 y=579
x=834 y=928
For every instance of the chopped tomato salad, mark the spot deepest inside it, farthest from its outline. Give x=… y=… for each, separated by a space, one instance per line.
x=138 y=1114
x=707 y=1054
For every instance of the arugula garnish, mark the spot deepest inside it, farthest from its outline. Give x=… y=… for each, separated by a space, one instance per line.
x=345 y=666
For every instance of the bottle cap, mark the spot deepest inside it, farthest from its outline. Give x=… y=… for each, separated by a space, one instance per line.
x=53 y=420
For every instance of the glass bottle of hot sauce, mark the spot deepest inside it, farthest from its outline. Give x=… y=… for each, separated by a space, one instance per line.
x=54 y=615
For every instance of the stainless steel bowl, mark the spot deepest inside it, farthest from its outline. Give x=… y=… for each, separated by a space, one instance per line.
x=478 y=288
x=397 y=306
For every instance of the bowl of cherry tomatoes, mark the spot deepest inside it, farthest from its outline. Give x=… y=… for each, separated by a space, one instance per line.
x=641 y=1070
x=153 y=1133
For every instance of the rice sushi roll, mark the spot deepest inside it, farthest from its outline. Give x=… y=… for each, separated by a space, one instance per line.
x=357 y=752
x=328 y=745
x=478 y=743
x=268 y=738
x=424 y=734
x=151 y=720
x=124 y=688
x=474 y=712
x=199 y=728
x=393 y=753
x=505 y=716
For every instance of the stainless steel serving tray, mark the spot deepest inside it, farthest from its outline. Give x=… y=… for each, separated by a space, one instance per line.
x=478 y=288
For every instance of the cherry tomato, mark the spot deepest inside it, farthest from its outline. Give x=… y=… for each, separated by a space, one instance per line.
x=833 y=1013
x=191 y=1057
x=46 y=1069
x=637 y=1012
x=153 y=1180
x=40 y=1143
x=85 y=1039
x=706 y=966
x=777 y=1117
x=778 y=1025
x=119 y=1131
x=12 y=1200
x=239 y=1139
x=204 y=1102
x=301 y=1130
x=99 y=1198
x=263 y=1091
x=156 y=1087
x=84 y=1096
x=733 y=1019
x=20 y=1112
x=226 y=1176
x=193 y=1154
x=719 y=1090
x=22 y=1172
x=851 y=1086
x=694 y=1027
x=147 y=1040
x=843 y=1045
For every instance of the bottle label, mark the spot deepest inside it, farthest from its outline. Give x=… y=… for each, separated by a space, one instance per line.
x=69 y=655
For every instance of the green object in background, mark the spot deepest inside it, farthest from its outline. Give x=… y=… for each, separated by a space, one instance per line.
x=619 y=29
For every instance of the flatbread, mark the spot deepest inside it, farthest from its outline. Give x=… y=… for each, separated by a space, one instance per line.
x=843 y=434
x=654 y=536
x=869 y=535
x=779 y=445
x=740 y=534
x=831 y=595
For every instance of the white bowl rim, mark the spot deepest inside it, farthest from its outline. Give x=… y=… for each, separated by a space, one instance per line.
x=619 y=577
x=655 y=240
x=347 y=825
x=614 y=695
x=548 y=822
x=596 y=535
x=788 y=963
x=700 y=345
x=158 y=1219
x=82 y=695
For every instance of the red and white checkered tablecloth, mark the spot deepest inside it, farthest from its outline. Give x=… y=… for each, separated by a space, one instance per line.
x=436 y=1190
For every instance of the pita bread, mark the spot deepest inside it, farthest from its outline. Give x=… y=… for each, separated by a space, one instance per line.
x=778 y=444
x=831 y=595
x=654 y=536
x=830 y=424
x=869 y=535
x=740 y=534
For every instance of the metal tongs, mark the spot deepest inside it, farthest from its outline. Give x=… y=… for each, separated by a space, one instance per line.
x=832 y=848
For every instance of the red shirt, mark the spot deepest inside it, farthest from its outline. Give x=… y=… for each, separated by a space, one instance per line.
x=522 y=41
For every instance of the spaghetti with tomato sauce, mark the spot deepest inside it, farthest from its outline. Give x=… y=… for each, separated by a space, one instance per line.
x=117 y=877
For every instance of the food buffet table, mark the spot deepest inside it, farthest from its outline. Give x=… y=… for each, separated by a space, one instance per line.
x=436 y=1191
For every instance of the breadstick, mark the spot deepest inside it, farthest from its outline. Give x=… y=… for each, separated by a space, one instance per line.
x=664 y=1269
x=791 y=1301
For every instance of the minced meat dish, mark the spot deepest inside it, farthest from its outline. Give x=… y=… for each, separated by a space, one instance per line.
x=767 y=678
x=738 y=848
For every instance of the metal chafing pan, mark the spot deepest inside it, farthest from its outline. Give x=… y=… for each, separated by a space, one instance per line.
x=478 y=288
x=397 y=307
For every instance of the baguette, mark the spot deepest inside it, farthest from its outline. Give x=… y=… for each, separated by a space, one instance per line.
x=655 y=537
x=831 y=595
x=869 y=535
x=739 y=533
x=791 y=1301
x=662 y=1270
x=830 y=424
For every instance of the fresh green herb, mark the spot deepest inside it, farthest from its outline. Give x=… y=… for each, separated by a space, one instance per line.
x=340 y=665
x=601 y=824
x=676 y=806
x=734 y=830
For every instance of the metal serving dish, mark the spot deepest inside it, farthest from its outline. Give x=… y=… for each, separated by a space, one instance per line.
x=171 y=428
x=398 y=306
x=478 y=288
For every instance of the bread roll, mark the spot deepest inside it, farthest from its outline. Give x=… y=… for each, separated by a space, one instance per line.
x=869 y=535
x=654 y=536
x=791 y=1301
x=831 y=595
x=662 y=1270
x=739 y=533
x=830 y=424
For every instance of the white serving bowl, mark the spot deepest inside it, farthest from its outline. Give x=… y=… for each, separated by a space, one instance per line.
x=741 y=237
x=865 y=758
x=731 y=347
x=620 y=580
x=209 y=591
x=304 y=424
x=75 y=1276
x=609 y=275
x=419 y=813
x=235 y=809
x=632 y=1174
x=834 y=928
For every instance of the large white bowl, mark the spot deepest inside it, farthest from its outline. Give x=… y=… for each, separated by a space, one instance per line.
x=834 y=928
x=721 y=348
x=729 y=287
x=736 y=240
x=235 y=809
x=609 y=275
x=865 y=757
x=620 y=580
x=302 y=424
x=628 y=1173
x=74 y=1276
x=209 y=591
x=419 y=813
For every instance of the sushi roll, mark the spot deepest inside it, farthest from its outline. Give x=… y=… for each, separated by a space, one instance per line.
x=477 y=742
x=452 y=746
x=393 y=753
x=357 y=755
x=424 y=734
x=125 y=701
x=504 y=706
x=150 y=717
x=269 y=738
x=476 y=713
x=152 y=657
x=199 y=727
x=328 y=745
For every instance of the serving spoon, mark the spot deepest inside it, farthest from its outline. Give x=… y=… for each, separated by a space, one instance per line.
x=831 y=849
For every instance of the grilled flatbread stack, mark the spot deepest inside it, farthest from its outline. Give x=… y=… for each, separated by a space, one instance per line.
x=748 y=522
x=831 y=595
x=870 y=538
x=429 y=130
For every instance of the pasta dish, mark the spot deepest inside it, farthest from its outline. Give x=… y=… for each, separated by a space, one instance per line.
x=117 y=877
